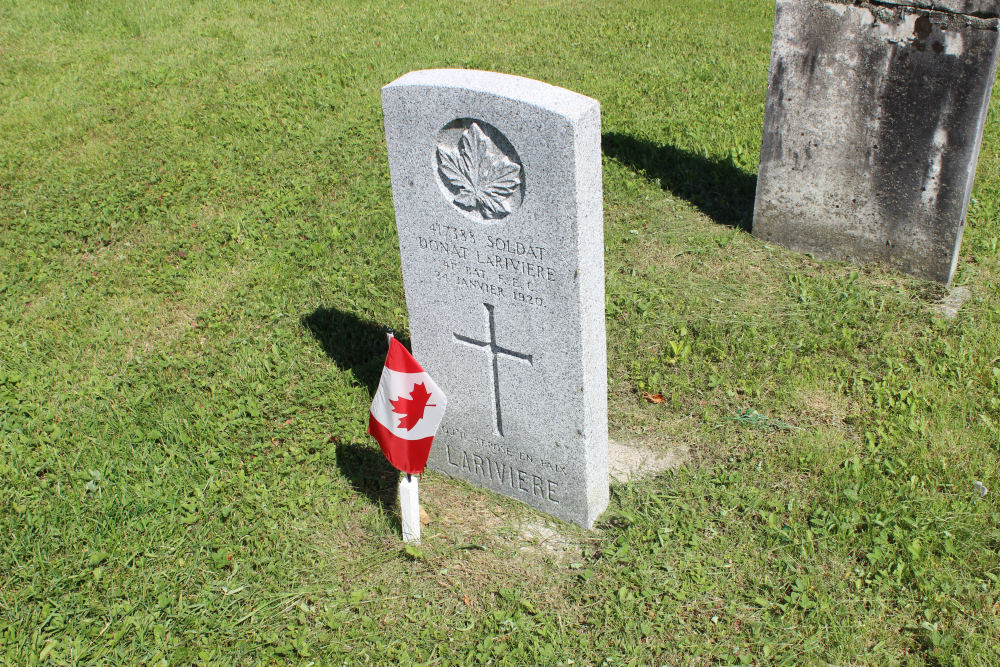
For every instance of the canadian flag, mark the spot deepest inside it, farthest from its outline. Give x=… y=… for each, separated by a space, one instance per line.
x=406 y=411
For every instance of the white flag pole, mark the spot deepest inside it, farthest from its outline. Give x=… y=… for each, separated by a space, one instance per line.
x=409 y=506
x=409 y=499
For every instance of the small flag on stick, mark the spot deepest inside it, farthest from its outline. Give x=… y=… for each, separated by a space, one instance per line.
x=405 y=414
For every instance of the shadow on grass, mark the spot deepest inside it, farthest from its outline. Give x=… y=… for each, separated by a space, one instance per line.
x=369 y=473
x=354 y=344
x=358 y=346
x=719 y=188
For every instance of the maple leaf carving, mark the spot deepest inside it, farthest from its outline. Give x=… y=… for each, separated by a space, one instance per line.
x=482 y=174
x=412 y=408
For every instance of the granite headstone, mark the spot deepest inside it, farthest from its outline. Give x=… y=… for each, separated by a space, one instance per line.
x=496 y=181
x=872 y=128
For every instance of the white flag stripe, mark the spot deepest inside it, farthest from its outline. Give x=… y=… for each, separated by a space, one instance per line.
x=394 y=385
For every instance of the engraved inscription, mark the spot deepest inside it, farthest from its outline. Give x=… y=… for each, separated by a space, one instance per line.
x=506 y=450
x=529 y=269
x=511 y=268
x=478 y=174
x=504 y=474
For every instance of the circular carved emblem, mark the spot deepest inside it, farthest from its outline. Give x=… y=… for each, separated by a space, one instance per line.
x=479 y=171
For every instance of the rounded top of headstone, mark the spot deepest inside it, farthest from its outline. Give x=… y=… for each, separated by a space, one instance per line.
x=536 y=93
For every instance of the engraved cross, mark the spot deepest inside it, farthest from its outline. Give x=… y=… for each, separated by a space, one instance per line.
x=495 y=351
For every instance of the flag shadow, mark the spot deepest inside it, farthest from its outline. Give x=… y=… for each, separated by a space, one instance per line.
x=354 y=344
x=368 y=473
x=719 y=188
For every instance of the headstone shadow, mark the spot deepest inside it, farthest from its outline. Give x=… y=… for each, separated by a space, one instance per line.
x=354 y=344
x=719 y=188
x=359 y=346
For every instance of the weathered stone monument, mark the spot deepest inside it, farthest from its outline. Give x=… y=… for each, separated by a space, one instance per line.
x=496 y=182
x=874 y=120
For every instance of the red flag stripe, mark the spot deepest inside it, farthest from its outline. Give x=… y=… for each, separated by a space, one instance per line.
x=410 y=456
x=400 y=360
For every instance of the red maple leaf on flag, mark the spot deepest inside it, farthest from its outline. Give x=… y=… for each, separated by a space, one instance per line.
x=413 y=407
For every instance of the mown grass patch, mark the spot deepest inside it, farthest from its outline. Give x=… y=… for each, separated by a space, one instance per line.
x=198 y=259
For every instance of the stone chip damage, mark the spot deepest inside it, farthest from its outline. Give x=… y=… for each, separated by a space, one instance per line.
x=983 y=9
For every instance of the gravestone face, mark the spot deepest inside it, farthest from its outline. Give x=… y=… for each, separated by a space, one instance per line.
x=872 y=129
x=496 y=182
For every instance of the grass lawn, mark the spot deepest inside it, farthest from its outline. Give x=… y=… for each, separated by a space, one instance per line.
x=197 y=257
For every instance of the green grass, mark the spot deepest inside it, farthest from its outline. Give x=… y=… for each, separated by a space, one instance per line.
x=198 y=254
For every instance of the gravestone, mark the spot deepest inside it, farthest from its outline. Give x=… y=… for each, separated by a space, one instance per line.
x=872 y=129
x=496 y=181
